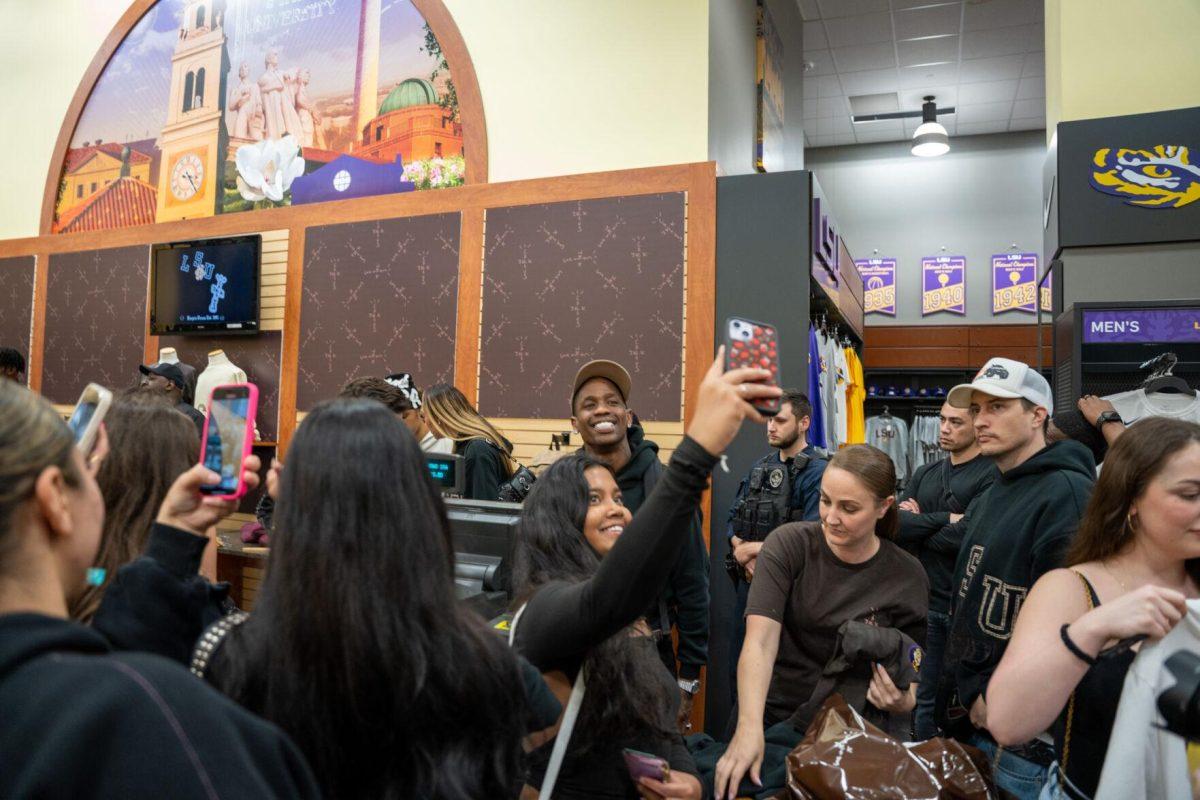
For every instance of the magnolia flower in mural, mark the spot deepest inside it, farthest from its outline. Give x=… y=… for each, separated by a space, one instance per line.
x=266 y=169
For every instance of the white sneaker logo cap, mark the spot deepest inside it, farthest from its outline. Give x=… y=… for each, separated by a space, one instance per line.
x=1003 y=377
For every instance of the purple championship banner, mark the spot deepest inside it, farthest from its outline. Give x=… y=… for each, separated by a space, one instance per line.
x=1157 y=326
x=1048 y=294
x=879 y=285
x=943 y=284
x=1014 y=282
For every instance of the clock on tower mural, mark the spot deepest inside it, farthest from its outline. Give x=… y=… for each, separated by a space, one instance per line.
x=219 y=106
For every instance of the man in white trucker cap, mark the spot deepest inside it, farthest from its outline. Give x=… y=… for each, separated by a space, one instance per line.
x=1018 y=530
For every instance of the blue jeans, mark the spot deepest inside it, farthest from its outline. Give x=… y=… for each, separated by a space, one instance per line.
x=1023 y=778
x=937 y=630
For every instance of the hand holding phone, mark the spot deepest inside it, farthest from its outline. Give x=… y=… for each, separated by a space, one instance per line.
x=644 y=765
x=754 y=344
x=228 y=438
x=188 y=508
x=89 y=413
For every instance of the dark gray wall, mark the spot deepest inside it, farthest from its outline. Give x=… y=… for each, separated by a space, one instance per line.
x=977 y=200
x=1135 y=272
x=732 y=92
x=763 y=273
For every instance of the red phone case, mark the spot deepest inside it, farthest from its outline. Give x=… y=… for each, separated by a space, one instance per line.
x=247 y=441
x=753 y=344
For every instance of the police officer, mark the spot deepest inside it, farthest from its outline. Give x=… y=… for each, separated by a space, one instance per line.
x=784 y=486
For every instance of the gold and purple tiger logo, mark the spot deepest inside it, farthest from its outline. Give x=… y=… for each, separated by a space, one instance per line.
x=1158 y=178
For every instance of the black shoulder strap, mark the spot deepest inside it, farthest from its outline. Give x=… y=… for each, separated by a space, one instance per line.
x=955 y=505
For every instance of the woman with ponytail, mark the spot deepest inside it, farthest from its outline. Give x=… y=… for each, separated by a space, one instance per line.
x=810 y=578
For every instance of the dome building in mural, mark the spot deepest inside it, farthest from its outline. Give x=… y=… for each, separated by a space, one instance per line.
x=410 y=124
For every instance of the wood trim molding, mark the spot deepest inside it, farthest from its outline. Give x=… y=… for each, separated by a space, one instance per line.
x=37 y=341
x=466 y=84
x=470 y=303
x=289 y=357
x=441 y=22
x=592 y=185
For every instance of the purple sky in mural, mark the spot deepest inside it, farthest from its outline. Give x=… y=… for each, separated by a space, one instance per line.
x=129 y=101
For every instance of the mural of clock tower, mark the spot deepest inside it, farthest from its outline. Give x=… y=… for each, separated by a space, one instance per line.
x=194 y=138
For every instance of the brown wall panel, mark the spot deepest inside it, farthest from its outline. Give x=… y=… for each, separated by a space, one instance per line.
x=95 y=320
x=917 y=336
x=378 y=297
x=16 y=303
x=257 y=355
x=1008 y=336
x=564 y=283
x=914 y=358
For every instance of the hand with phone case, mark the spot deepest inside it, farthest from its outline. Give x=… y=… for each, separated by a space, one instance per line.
x=751 y=344
x=228 y=437
x=189 y=508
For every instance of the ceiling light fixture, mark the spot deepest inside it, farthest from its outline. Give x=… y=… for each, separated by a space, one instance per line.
x=930 y=138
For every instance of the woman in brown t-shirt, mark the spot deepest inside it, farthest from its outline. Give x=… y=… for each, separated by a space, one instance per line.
x=808 y=579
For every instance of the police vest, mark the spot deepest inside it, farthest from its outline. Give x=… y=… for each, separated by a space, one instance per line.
x=767 y=503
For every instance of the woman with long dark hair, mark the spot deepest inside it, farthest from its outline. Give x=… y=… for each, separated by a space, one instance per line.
x=585 y=570
x=809 y=579
x=357 y=646
x=1135 y=561
x=487 y=455
x=79 y=720
x=150 y=445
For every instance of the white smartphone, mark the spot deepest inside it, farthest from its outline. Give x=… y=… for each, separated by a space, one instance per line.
x=88 y=414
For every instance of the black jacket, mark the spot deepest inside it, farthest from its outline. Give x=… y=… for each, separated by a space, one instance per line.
x=685 y=598
x=930 y=535
x=485 y=468
x=1019 y=530
x=78 y=721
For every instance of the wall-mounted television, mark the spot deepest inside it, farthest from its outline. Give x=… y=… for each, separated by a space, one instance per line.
x=208 y=286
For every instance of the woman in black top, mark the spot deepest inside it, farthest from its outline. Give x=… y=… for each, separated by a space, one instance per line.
x=77 y=720
x=357 y=645
x=1135 y=562
x=487 y=455
x=585 y=572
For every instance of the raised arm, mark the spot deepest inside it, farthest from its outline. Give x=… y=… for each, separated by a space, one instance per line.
x=562 y=621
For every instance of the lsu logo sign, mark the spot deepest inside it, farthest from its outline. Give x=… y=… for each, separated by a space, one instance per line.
x=1162 y=177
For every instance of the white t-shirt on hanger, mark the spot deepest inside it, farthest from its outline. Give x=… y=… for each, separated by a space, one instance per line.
x=1137 y=405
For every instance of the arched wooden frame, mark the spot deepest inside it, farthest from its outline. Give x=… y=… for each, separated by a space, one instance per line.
x=440 y=21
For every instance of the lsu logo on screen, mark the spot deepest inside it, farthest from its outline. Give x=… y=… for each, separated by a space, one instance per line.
x=1162 y=177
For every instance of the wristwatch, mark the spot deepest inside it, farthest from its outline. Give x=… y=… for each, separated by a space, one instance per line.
x=1106 y=417
x=691 y=687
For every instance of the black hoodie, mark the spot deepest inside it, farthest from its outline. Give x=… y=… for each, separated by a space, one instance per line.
x=78 y=721
x=1018 y=531
x=685 y=598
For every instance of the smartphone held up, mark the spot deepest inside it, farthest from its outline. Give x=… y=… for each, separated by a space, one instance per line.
x=89 y=413
x=750 y=344
x=228 y=437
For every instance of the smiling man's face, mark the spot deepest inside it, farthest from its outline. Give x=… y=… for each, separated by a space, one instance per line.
x=601 y=417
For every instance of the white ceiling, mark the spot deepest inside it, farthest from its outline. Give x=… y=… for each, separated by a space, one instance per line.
x=984 y=57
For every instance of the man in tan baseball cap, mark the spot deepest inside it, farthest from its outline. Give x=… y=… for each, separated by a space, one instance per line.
x=601 y=415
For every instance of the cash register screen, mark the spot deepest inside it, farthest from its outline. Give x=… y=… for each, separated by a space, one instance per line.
x=447 y=472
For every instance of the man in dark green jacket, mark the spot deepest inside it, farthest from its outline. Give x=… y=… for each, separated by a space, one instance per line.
x=601 y=416
x=1019 y=530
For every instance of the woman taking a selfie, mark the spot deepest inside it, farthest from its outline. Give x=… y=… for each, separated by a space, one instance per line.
x=1135 y=563
x=810 y=578
x=79 y=720
x=357 y=646
x=585 y=571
